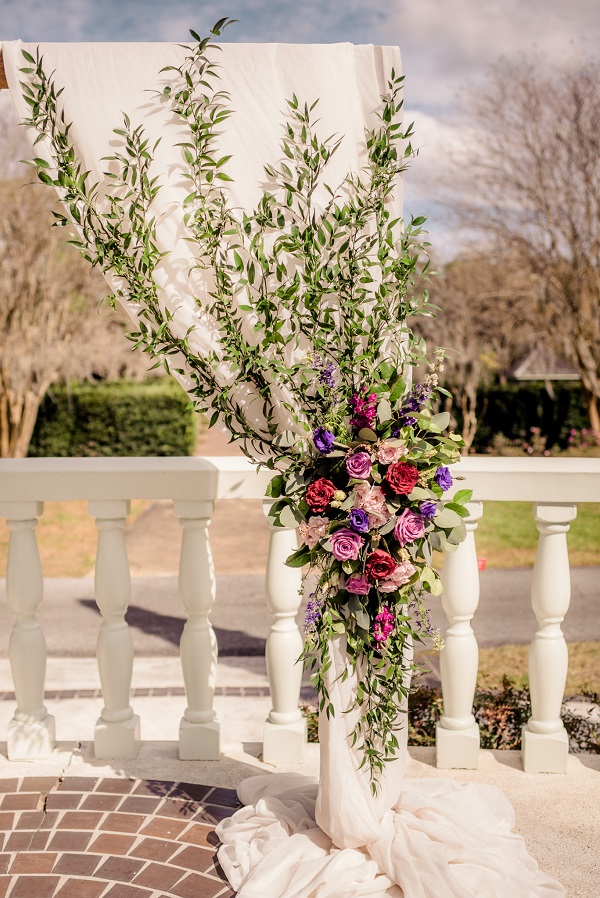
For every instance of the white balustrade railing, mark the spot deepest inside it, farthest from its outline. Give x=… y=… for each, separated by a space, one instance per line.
x=554 y=486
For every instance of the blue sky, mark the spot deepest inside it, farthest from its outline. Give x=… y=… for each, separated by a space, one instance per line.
x=446 y=44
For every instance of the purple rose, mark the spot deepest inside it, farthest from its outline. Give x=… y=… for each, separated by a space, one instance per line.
x=443 y=478
x=359 y=465
x=323 y=440
x=358 y=584
x=359 y=520
x=346 y=544
x=409 y=527
x=428 y=509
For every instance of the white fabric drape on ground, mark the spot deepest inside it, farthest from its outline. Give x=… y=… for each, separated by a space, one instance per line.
x=419 y=838
x=295 y=838
x=103 y=81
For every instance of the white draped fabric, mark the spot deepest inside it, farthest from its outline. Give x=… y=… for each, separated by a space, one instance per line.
x=103 y=81
x=295 y=838
x=418 y=838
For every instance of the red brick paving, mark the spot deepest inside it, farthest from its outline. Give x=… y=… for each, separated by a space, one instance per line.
x=82 y=837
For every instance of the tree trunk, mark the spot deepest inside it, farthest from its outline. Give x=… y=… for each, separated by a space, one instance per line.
x=18 y=414
x=593 y=412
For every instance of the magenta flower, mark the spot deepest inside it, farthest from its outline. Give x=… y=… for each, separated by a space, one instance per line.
x=409 y=527
x=384 y=624
x=358 y=584
x=346 y=544
x=359 y=465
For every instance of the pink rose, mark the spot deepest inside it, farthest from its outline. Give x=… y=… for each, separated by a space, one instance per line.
x=359 y=465
x=388 y=454
x=398 y=578
x=346 y=544
x=409 y=527
x=376 y=507
x=358 y=584
x=313 y=530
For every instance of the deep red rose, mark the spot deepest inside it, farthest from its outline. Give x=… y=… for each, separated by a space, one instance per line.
x=402 y=477
x=319 y=494
x=379 y=565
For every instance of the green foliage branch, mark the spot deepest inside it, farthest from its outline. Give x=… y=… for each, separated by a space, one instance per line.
x=316 y=277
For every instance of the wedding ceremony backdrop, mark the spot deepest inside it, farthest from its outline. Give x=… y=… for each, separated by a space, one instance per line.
x=255 y=239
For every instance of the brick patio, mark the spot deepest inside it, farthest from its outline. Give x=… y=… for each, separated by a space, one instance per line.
x=105 y=837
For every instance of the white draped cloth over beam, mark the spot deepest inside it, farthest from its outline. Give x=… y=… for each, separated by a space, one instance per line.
x=295 y=838
x=417 y=838
x=101 y=82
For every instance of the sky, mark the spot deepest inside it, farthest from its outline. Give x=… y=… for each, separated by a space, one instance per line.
x=447 y=47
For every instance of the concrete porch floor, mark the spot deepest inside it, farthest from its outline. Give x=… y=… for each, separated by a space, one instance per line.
x=559 y=816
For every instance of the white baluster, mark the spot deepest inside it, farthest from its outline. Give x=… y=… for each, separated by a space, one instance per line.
x=545 y=744
x=285 y=732
x=457 y=733
x=31 y=731
x=117 y=731
x=199 y=731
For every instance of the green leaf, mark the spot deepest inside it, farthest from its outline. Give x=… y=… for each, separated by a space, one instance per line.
x=384 y=410
x=447 y=518
x=442 y=420
x=299 y=558
x=368 y=435
x=289 y=517
x=275 y=487
x=461 y=497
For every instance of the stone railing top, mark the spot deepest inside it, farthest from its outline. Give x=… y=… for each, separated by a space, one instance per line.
x=60 y=479
x=551 y=480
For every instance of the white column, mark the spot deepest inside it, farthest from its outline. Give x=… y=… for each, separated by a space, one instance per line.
x=285 y=733
x=545 y=744
x=117 y=732
x=457 y=734
x=31 y=731
x=200 y=730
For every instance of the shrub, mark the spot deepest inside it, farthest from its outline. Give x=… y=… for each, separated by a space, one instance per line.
x=516 y=410
x=115 y=419
x=499 y=712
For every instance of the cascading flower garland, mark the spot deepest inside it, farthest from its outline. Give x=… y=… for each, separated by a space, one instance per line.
x=372 y=512
x=364 y=461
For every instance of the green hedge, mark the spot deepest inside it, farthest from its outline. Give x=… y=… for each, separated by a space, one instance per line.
x=115 y=419
x=515 y=408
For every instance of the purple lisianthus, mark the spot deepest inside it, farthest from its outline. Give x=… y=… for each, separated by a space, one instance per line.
x=359 y=520
x=323 y=440
x=443 y=478
x=428 y=509
x=346 y=544
x=359 y=465
x=358 y=584
x=409 y=527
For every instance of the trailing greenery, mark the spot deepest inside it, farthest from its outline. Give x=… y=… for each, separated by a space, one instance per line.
x=115 y=419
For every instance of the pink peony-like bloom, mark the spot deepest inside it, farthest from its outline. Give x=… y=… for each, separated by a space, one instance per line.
x=375 y=505
x=358 y=584
x=359 y=465
x=409 y=527
x=389 y=455
x=313 y=530
x=398 y=578
x=346 y=544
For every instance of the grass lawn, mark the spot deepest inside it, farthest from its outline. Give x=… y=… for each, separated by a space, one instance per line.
x=67 y=538
x=511 y=660
x=507 y=535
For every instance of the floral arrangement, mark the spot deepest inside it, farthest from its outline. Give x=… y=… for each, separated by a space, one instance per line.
x=373 y=509
x=310 y=354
